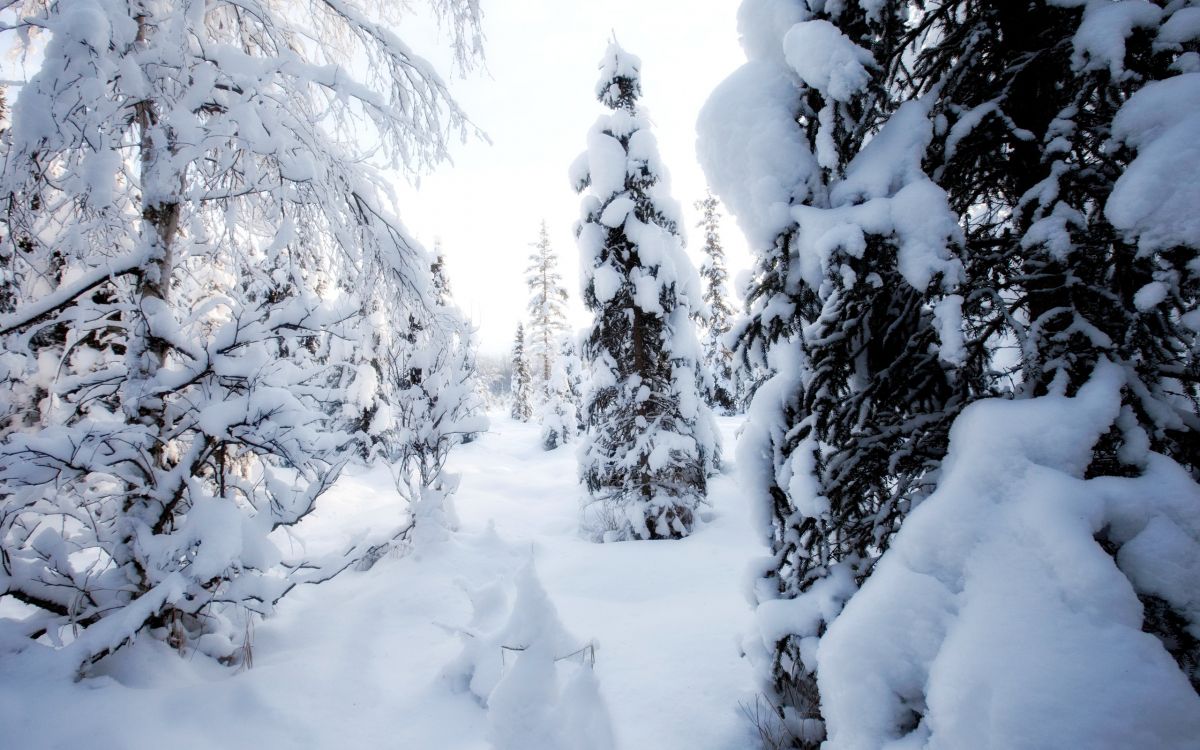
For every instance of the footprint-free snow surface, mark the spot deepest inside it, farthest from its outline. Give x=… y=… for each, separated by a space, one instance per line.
x=362 y=661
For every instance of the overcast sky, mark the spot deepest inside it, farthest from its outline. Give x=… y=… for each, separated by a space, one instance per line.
x=536 y=104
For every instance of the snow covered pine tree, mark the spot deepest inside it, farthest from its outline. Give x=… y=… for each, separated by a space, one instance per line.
x=573 y=370
x=547 y=325
x=1040 y=124
x=651 y=442
x=724 y=393
x=522 y=383
x=559 y=408
x=562 y=413
x=855 y=259
x=197 y=260
x=547 y=311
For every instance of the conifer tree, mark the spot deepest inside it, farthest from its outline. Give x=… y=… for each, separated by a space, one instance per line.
x=650 y=439
x=723 y=394
x=441 y=282
x=573 y=372
x=1077 y=266
x=852 y=307
x=522 y=383
x=547 y=311
x=559 y=411
x=928 y=189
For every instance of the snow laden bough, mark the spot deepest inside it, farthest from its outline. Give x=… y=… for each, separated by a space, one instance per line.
x=1007 y=611
x=198 y=260
x=651 y=442
x=537 y=681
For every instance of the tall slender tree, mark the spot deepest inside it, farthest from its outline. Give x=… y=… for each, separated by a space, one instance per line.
x=650 y=442
x=723 y=392
x=547 y=310
x=522 y=382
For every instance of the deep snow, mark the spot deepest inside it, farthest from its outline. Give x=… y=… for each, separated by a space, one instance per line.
x=359 y=661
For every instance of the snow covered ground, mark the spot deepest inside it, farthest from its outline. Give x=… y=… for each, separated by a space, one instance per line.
x=360 y=661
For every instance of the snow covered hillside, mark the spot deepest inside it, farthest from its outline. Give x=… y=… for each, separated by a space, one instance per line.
x=367 y=660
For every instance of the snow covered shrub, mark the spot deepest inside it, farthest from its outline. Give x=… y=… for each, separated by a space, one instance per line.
x=431 y=372
x=199 y=266
x=997 y=619
x=651 y=442
x=536 y=680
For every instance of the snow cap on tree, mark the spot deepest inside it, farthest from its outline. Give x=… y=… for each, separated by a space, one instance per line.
x=620 y=84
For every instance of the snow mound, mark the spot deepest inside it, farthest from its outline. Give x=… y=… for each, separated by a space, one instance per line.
x=1155 y=199
x=536 y=679
x=998 y=620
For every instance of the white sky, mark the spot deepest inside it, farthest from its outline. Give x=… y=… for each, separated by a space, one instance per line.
x=535 y=102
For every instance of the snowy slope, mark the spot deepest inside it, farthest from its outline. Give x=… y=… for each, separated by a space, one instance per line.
x=359 y=662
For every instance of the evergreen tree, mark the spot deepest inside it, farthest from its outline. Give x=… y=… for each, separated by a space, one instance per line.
x=854 y=310
x=650 y=443
x=547 y=311
x=928 y=189
x=199 y=264
x=573 y=372
x=522 y=383
x=560 y=409
x=724 y=393
x=1076 y=266
x=441 y=282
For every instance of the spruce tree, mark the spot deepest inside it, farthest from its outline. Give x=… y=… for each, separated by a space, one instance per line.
x=650 y=438
x=441 y=282
x=522 y=383
x=573 y=370
x=547 y=310
x=853 y=307
x=561 y=421
x=723 y=393
x=1075 y=267
x=934 y=196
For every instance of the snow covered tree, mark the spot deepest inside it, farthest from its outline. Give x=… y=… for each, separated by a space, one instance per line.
x=547 y=311
x=1082 y=242
x=437 y=406
x=522 y=383
x=559 y=409
x=853 y=308
x=933 y=194
x=461 y=337
x=441 y=282
x=723 y=393
x=1064 y=246
x=650 y=443
x=198 y=261
x=573 y=371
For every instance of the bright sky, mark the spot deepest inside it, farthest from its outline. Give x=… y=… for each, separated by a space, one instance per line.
x=535 y=102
